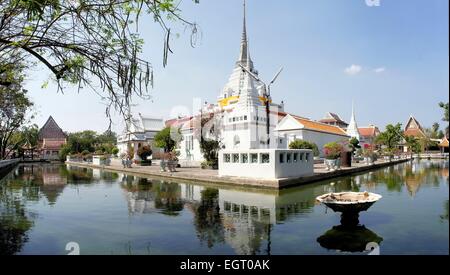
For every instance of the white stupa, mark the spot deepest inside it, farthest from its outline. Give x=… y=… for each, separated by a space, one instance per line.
x=352 y=129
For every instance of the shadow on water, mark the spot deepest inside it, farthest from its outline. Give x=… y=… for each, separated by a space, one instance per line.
x=348 y=238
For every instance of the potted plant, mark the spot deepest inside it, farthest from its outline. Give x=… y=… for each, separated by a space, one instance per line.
x=332 y=152
x=144 y=153
x=168 y=139
x=172 y=163
x=369 y=154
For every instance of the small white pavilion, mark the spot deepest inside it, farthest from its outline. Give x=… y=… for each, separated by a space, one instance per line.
x=139 y=131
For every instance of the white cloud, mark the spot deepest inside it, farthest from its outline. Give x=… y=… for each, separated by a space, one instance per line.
x=380 y=70
x=353 y=69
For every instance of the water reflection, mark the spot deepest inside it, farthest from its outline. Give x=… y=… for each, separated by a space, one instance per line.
x=245 y=221
x=348 y=238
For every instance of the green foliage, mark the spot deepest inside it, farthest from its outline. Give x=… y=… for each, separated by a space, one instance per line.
x=167 y=139
x=90 y=42
x=14 y=107
x=391 y=137
x=144 y=152
x=303 y=144
x=444 y=106
x=412 y=143
x=210 y=150
x=209 y=140
x=89 y=142
x=354 y=144
x=333 y=150
x=434 y=131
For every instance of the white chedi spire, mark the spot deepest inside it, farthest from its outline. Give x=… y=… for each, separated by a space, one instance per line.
x=352 y=129
x=240 y=83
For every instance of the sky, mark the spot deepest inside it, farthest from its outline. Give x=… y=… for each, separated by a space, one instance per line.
x=392 y=60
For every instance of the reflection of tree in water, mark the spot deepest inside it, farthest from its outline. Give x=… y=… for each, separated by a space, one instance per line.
x=168 y=198
x=15 y=222
x=77 y=175
x=412 y=174
x=207 y=218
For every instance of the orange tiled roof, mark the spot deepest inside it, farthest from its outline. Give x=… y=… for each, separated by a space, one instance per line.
x=367 y=131
x=414 y=132
x=321 y=127
x=444 y=142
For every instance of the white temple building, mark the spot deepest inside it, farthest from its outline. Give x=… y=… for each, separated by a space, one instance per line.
x=246 y=123
x=139 y=131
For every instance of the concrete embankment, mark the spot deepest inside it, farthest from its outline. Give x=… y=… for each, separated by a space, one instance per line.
x=210 y=177
x=7 y=165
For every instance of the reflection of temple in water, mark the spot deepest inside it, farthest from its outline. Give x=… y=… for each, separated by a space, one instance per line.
x=48 y=179
x=242 y=219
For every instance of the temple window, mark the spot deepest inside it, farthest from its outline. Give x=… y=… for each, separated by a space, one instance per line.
x=265 y=158
x=226 y=158
x=244 y=158
x=235 y=158
x=254 y=158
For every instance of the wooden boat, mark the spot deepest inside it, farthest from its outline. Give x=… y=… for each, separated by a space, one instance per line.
x=349 y=201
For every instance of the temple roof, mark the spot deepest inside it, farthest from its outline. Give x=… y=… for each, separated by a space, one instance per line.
x=444 y=142
x=332 y=117
x=413 y=128
x=308 y=124
x=370 y=131
x=51 y=130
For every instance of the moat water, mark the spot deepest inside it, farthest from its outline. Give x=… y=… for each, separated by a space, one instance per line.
x=43 y=207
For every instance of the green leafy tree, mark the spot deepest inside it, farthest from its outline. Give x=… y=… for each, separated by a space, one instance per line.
x=89 y=141
x=90 y=43
x=144 y=152
x=444 y=106
x=413 y=144
x=434 y=132
x=391 y=137
x=208 y=135
x=354 y=144
x=303 y=144
x=14 y=107
x=168 y=139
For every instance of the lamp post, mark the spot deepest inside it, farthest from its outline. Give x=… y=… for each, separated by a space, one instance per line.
x=266 y=94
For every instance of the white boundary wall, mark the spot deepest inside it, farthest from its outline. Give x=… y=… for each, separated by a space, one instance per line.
x=266 y=163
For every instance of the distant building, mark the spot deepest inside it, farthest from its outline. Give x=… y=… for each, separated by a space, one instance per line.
x=139 y=131
x=367 y=135
x=293 y=127
x=50 y=139
x=413 y=128
x=335 y=120
x=443 y=145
